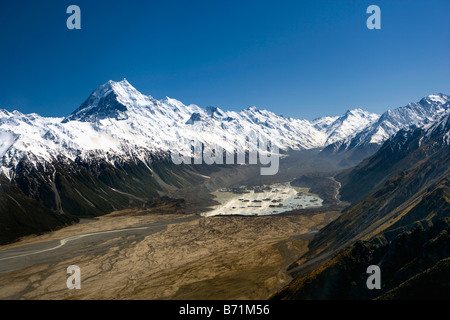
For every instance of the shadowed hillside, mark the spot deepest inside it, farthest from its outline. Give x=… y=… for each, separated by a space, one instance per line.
x=402 y=225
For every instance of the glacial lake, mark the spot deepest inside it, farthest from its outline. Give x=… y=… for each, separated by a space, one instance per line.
x=262 y=200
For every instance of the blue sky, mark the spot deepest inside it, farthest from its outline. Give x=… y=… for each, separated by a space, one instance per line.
x=301 y=59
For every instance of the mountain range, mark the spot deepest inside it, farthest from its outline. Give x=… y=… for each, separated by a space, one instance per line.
x=118 y=120
x=114 y=150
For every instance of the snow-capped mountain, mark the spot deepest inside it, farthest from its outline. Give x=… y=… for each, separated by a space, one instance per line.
x=338 y=128
x=117 y=119
x=366 y=141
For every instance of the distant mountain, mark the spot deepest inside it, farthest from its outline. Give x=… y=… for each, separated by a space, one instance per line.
x=350 y=123
x=365 y=142
x=118 y=120
x=399 y=220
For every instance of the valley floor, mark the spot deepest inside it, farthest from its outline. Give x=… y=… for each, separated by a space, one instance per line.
x=134 y=254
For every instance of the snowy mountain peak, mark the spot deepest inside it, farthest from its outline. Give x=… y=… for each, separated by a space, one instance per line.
x=350 y=123
x=111 y=100
x=102 y=103
x=252 y=109
x=126 y=93
x=121 y=101
x=357 y=115
x=439 y=98
x=357 y=112
x=426 y=111
x=214 y=112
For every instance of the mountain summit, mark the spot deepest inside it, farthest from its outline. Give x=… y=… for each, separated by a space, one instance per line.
x=365 y=142
x=110 y=100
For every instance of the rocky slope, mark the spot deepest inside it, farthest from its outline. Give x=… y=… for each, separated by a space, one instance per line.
x=402 y=225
